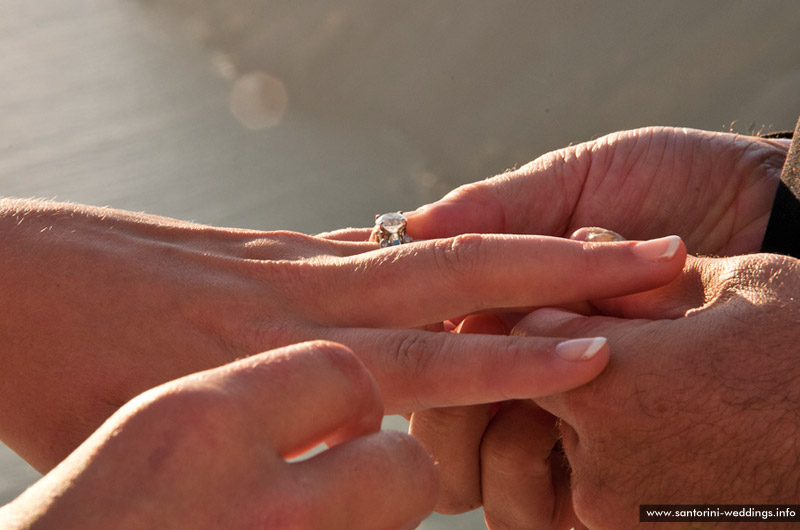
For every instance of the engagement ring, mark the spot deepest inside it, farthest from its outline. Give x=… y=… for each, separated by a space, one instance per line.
x=390 y=230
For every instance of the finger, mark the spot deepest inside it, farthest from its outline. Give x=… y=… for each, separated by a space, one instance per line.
x=692 y=289
x=348 y=234
x=387 y=472
x=670 y=301
x=556 y=322
x=298 y=396
x=626 y=337
x=522 y=478
x=452 y=435
x=418 y=370
x=596 y=234
x=412 y=285
x=538 y=198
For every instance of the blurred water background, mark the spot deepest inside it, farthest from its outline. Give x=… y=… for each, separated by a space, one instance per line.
x=317 y=115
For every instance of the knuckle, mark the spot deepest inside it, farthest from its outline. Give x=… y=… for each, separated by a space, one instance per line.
x=300 y=287
x=316 y=358
x=291 y=273
x=458 y=259
x=200 y=416
x=357 y=379
x=341 y=359
x=267 y=334
x=599 y=501
x=411 y=357
x=594 y=256
x=757 y=278
x=412 y=351
x=575 y=404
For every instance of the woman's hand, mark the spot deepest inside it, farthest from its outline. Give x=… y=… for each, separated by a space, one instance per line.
x=715 y=190
x=209 y=451
x=100 y=305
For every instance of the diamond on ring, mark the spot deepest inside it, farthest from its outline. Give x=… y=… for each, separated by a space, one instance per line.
x=390 y=230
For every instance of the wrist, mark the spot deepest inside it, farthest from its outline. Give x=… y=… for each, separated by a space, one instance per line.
x=782 y=234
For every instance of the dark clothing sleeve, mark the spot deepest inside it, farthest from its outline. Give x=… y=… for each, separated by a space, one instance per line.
x=783 y=230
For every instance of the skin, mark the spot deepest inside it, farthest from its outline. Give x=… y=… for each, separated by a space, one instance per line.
x=100 y=305
x=715 y=191
x=697 y=405
x=476 y=454
x=209 y=451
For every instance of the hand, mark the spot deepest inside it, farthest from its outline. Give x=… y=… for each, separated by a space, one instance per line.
x=698 y=403
x=209 y=451
x=100 y=305
x=714 y=190
x=500 y=455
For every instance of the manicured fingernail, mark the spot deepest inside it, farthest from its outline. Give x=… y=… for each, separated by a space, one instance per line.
x=580 y=349
x=657 y=249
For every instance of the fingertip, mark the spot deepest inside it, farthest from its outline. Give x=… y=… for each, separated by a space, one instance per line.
x=420 y=468
x=389 y=471
x=581 y=349
x=428 y=472
x=549 y=317
x=432 y=221
x=595 y=234
x=460 y=212
x=368 y=414
x=661 y=249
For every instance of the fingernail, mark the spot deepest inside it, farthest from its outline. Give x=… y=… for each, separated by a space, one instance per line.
x=552 y=315
x=657 y=249
x=595 y=234
x=580 y=349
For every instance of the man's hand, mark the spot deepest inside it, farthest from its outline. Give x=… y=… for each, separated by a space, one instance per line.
x=714 y=190
x=209 y=451
x=100 y=305
x=698 y=404
x=519 y=479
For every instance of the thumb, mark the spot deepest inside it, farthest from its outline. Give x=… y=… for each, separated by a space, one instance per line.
x=467 y=210
x=536 y=199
